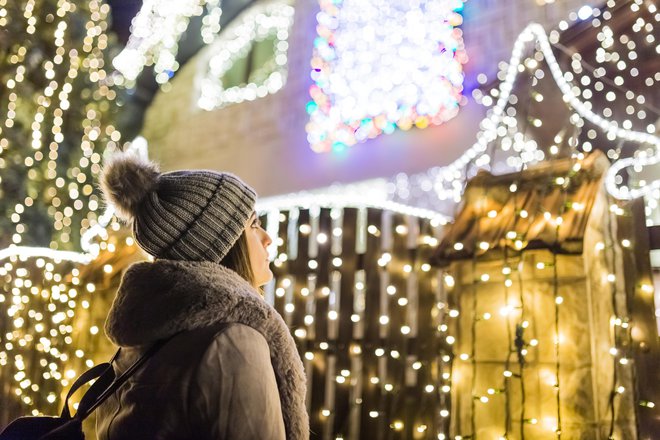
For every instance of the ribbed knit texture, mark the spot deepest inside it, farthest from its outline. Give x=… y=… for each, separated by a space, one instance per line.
x=193 y=215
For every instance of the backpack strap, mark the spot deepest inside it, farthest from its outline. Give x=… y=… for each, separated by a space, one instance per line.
x=105 y=375
x=106 y=384
x=103 y=392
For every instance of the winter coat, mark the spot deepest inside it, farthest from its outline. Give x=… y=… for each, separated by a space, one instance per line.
x=231 y=372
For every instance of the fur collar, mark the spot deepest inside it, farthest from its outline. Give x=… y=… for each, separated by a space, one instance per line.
x=158 y=299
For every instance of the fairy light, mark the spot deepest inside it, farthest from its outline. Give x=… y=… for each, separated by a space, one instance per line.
x=99 y=229
x=302 y=202
x=354 y=361
x=155 y=33
x=262 y=22
x=514 y=309
x=49 y=296
x=67 y=127
x=535 y=34
x=75 y=73
x=371 y=194
x=613 y=131
x=419 y=84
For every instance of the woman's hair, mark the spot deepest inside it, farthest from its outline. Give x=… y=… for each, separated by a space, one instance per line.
x=238 y=259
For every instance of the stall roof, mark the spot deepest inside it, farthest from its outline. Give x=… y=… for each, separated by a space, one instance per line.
x=526 y=218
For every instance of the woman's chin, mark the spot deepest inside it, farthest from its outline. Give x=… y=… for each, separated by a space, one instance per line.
x=265 y=279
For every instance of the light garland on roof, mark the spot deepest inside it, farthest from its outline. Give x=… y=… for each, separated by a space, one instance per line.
x=259 y=23
x=534 y=33
x=379 y=66
x=368 y=194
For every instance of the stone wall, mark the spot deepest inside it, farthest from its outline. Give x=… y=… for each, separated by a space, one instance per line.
x=264 y=141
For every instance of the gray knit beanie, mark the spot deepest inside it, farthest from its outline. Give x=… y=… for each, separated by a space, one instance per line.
x=191 y=215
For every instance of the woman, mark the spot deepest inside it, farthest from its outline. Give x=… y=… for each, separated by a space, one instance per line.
x=232 y=370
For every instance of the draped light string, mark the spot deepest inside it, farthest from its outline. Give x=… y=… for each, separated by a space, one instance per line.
x=620 y=323
x=616 y=325
x=506 y=271
x=155 y=34
x=65 y=101
x=516 y=342
x=88 y=242
x=444 y=356
x=558 y=299
x=360 y=378
x=55 y=314
x=262 y=22
x=522 y=345
x=447 y=176
x=479 y=214
x=159 y=25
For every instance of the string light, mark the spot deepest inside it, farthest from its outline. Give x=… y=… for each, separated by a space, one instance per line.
x=514 y=310
x=534 y=33
x=58 y=87
x=262 y=22
x=354 y=360
x=73 y=66
x=48 y=299
x=394 y=262
x=155 y=32
x=90 y=248
x=373 y=194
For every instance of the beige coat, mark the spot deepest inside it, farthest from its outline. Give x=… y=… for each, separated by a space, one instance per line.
x=232 y=373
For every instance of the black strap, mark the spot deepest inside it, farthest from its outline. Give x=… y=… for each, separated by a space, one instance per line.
x=106 y=383
x=96 y=371
x=102 y=371
x=83 y=412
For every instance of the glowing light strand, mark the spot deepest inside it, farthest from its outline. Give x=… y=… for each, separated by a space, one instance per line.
x=154 y=38
x=535 y=33
x=90 y=249
x=371 y=193
x=261 y=22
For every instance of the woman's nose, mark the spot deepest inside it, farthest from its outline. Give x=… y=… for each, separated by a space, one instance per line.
x=266 y=239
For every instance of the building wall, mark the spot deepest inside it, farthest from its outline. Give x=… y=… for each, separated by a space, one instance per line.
x=264 y=141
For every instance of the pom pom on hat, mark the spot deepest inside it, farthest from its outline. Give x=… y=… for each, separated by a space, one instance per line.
x=126 y=180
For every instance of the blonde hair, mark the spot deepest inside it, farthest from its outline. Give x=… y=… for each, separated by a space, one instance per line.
x=238 y=259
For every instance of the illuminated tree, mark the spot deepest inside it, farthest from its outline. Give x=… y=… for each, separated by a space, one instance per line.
x=58 y=105
x=58 y=110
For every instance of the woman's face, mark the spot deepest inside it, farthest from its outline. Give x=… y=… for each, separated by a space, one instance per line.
x=258 y=240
